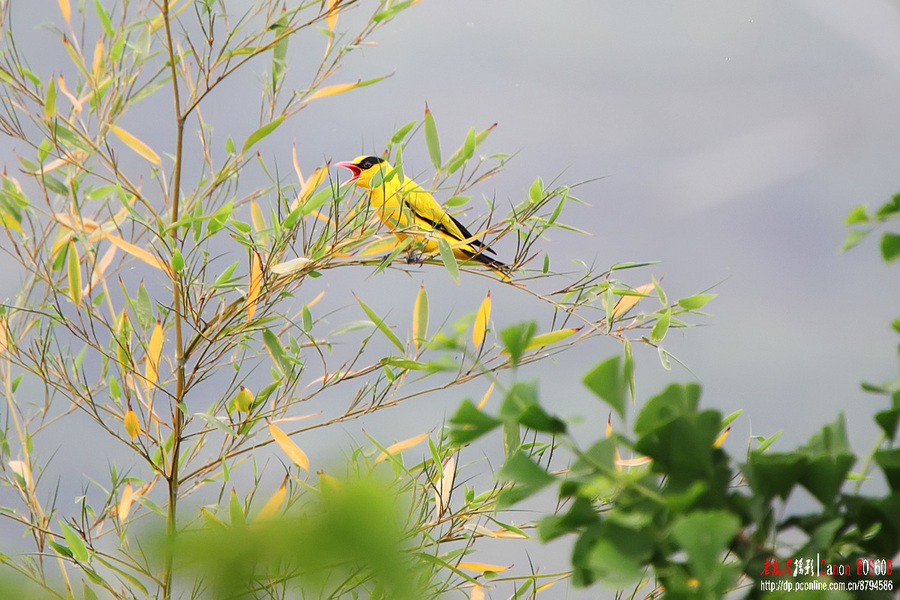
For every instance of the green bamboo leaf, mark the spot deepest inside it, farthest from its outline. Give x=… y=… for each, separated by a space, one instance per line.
x=448 y=259
x=431 y=139
x=76 y=544
x=661 y=326
x=105 y=21
x=696 y=301
x=260 y=133
x=215 y=423
x=890 y=247
x=380 y=324
x=276 y=351
x=74 y=272
x=401 y=133
x=536 y=191
x=50 y=100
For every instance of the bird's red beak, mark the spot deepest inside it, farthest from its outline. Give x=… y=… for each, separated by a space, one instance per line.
x=353 y=168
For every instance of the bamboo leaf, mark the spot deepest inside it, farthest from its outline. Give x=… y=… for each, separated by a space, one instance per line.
x=481 y=567
x=260 y=133
x=332 y=15
x=661 y=326
x=276 y=351
x=289 y=266
x=431 y=140
x=154 y=351
x=420 y=317
x=138 y=253
x=66 y=10
x=104 y=19
x=255 y=284
x=125 y=502
x=444 y=488
x=293 y=451
x=380 y=324
x=136 y=145
x=73 y=263
x=401 y=446
x=76 y=544
x=340 y=88
x=256 y=217
x=448 y=259
x=270 y=508
x=482 y=317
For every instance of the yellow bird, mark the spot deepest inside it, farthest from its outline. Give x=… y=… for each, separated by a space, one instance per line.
x=408 y=210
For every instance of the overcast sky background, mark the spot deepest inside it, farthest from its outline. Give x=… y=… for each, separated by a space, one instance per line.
x=731 y=138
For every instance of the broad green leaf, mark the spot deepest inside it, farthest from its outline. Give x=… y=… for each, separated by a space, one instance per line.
x=380 y=324
x=706 y=537
x=50 y=100
x=854 y=237
x=527 y=476
x=469 y=423
x=431 y=140
x=857 y=216
x=607 y=380
x=890 y=246
x=260 y=133
x=516 y=338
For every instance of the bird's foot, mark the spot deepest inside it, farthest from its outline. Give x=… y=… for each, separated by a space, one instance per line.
x=415 y=257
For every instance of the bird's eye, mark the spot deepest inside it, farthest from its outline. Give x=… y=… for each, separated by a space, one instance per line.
x=366 y=164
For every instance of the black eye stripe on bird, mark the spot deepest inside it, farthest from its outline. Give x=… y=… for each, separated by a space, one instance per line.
x=408 y=210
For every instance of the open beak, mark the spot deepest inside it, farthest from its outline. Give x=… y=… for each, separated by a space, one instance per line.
x=353 y=169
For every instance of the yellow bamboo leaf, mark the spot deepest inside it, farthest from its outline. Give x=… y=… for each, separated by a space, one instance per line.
x=625 y=303
x=256 y=217
x=136 y=145
x=506 y=534
x=154 y=351
x=633 y=462
x=3 y=339
x=380 y=247
x=132 y=426
x=270 y=508
x=420 y=317
x=22 y=469
x=76 y=103
x=100 y=269
x=138 y=253
x=315 y=300
x=331 y=90
x=401 y=446
x=481 y=321
x=477 y=593
x=445 y=486
x=332 y=13
x=300 y=178
x=74 y=272
x=290 y=266
x=124 y=505
x=721 y=439
x=293 y=451
x=66 y=10
x=481 y=567
x=174 y=10
x=255 y=284
x=547 y=585
x=307 y=187
x=97 y=67
x=487 y=395
x=609 y=431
